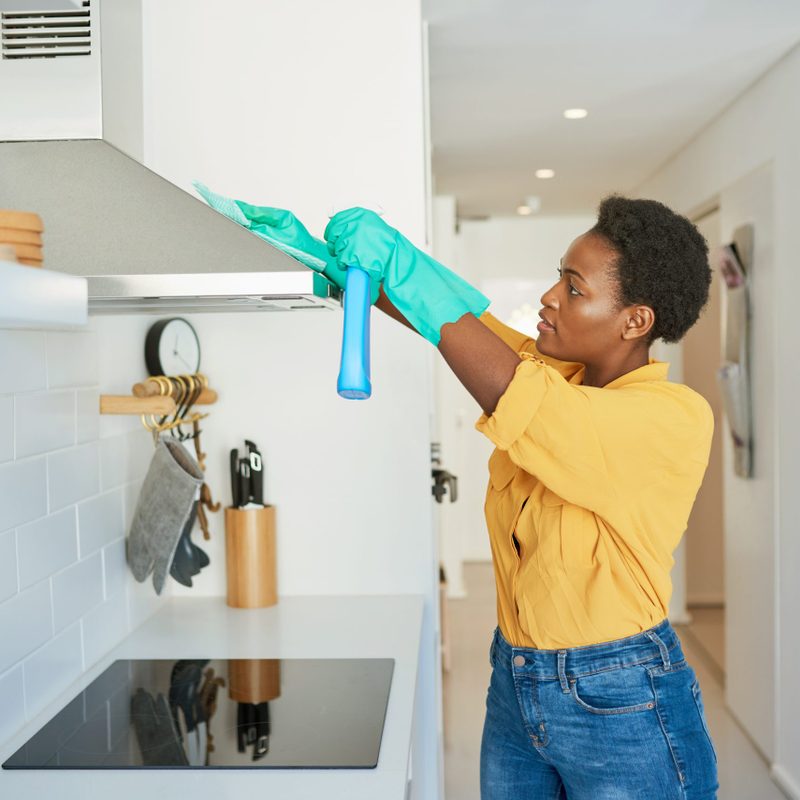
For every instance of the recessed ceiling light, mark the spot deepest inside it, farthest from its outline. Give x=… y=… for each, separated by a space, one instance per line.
x=576 y=113
x=524 y=211
x=545 y=173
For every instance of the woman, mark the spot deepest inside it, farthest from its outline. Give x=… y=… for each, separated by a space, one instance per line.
x=597 y=463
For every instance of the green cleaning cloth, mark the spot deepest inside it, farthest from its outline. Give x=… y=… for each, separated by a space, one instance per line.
x=283 y=230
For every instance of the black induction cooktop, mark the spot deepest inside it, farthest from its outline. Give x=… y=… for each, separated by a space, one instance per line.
x=225 y=714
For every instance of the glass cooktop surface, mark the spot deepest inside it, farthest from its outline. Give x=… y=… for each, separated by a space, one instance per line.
x=212 y=713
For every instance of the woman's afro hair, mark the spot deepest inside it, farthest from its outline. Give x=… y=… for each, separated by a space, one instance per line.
x=662 y=262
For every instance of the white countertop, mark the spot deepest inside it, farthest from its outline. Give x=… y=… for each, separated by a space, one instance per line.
x=379 y=626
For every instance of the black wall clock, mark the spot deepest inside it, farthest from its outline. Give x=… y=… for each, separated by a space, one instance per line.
x=171 y=347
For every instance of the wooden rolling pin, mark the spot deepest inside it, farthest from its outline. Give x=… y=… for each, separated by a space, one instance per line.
x=151 y=389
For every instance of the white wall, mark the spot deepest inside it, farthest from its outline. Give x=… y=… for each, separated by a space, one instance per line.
x=52 y=98
x=761 y=130
x=748 y=504
x=68 y=485
x=310 y=106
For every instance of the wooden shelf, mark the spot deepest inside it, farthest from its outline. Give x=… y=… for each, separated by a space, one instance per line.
x=41 y=298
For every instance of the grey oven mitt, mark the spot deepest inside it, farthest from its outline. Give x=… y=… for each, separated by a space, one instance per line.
x=164 y=505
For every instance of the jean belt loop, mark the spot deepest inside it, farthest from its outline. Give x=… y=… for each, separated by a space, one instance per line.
x=662 y=648
x=562 y=672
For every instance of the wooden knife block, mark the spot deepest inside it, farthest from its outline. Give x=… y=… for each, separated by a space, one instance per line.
x=254 y=680
x=250 y=557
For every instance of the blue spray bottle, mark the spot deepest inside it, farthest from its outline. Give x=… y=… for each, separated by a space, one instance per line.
x=354 y=370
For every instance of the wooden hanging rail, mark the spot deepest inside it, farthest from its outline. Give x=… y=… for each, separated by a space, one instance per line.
x=150 y=389
x=148 y=399
x=124 y=404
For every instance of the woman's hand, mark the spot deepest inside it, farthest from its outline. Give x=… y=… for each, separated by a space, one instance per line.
x=358 y=237
x=424 y=291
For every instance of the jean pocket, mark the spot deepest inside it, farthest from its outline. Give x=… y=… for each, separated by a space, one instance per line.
x=491 y=649
x=698 y=701
x=616 y=691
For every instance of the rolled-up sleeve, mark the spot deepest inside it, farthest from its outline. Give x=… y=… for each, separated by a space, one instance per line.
x=592 y=446
x=518 y=405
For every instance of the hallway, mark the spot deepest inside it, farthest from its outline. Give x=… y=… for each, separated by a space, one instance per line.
x=743 y=774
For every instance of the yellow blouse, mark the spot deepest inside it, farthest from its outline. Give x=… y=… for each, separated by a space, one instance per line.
x=589 y=493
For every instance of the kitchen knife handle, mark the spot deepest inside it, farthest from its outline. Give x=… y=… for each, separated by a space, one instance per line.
x=257 y=485
x=244 y=482
x=354 y=371
x=235 y=478
x=256 y=472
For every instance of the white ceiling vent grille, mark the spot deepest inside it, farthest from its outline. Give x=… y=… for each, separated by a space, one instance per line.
x=47 y=34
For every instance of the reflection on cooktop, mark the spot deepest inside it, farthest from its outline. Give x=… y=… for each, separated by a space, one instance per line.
x=238 y=713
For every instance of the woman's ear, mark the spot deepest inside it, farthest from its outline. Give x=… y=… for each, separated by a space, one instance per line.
x=639 y=323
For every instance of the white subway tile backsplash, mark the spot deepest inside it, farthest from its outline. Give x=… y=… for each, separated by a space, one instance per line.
x=25 y=623
x=47 y=546
x=118 y=424
x=77 y=589
x=113 y=461
x=131 y=494
x=6 y=427
x=115 y=568
x=73 y=475
x=100 y=521
x=104 y=627
x=88 y=408
x=66 y=593
x=23 y=489
x=72 y=359
x=140 y=450
x=61 y=657
x=8 y=565
x=44 y=421
x=23 y=363
x=12 y=701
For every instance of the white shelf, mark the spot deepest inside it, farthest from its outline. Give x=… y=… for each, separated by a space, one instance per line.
x=41 y=298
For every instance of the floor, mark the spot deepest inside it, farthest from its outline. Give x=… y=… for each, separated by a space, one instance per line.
x=743 y=774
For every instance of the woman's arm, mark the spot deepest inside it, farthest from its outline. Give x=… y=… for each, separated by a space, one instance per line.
x=480 y=359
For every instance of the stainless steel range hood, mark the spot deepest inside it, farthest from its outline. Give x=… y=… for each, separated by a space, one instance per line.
x=144 y=244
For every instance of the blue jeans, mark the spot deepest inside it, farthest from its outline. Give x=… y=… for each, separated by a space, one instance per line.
x=621 y=720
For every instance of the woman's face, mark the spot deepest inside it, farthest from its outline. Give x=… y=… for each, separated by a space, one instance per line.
x=582 y=319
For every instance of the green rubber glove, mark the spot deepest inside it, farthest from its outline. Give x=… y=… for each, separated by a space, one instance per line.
x=282 y=229
x=427 y=293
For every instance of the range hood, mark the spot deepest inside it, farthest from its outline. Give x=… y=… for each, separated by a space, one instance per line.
x=144 y=244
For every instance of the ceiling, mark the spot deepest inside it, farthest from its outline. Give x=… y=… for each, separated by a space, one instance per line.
x=652 y=73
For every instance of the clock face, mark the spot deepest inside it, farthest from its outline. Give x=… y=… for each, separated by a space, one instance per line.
x=172 y=348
